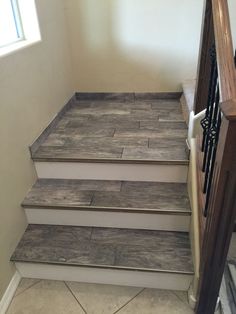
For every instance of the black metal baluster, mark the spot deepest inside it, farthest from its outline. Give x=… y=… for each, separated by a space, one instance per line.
x=211 y=136
x=212 y=117
x=208 y=189
x=206 y=121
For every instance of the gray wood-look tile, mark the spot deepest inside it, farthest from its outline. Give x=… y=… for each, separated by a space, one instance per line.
x=161 y=125
x=79 y=153
x=116 y=128
x=157 y=257
x=167 y=105
x=146 y=133
x=105 y=96
x=95 y=142
x=158 y=96
x=109 y=195
x=104 y=125
x=105 y=247
x=154 y=154
x=141 y=200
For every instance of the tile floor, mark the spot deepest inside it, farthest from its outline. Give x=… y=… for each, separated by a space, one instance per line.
x=49 y=297
x=130 y=130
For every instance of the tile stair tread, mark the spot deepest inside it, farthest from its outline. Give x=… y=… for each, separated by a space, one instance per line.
x=144 y=250
x=109 y=195
x=106 y=131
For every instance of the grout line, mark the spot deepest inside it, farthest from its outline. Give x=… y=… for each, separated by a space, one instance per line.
x=75 y=297
x=33 y=284
x=121 y=155
x=178 y=297
x=91 y=234
x=124 y=305
x=92 y=198
x=121 y=186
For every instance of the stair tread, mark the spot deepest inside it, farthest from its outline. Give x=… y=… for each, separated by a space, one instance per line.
x=109 y=195
x=132 y=249
x=105 y=131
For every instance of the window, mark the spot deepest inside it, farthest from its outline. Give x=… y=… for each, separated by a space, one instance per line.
x=18 y=25
x=10 y=22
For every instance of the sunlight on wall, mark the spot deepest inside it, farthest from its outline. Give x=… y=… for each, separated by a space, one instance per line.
x=132 y=45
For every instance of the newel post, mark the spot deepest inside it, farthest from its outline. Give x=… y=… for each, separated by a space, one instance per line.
x=221 y=214
x=204 y=64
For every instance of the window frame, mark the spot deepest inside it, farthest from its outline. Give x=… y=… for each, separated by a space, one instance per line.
x=28 y=27
x=17 y=23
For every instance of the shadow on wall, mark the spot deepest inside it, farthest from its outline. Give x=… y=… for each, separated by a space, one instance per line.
x=131 y=45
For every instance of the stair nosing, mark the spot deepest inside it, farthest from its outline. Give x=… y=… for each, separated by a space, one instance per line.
x=112 y=160
x=139 y=269
x=108 y=209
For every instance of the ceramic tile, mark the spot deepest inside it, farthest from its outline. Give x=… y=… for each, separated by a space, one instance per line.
x=152 y=301
x=106 y=125
x=105 y=247
x=45 y=297
x=148 y=196
x=102 y=299
x=25 y=284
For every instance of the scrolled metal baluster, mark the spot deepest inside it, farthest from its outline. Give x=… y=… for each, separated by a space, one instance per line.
x=210 y=134
x=209 y=181
x=206 y=121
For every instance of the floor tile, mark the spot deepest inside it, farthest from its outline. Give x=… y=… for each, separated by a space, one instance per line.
x=102 y=299
x=152 y=301
x=46 y=297
x=25 y=284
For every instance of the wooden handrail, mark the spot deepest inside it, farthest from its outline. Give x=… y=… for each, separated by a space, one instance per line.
x=224 y=49
x=218 y=224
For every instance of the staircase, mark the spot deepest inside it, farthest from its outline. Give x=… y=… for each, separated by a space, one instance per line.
x=110 y=204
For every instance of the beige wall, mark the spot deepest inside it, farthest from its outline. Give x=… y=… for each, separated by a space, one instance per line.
x=34 y=84
x=133 y=45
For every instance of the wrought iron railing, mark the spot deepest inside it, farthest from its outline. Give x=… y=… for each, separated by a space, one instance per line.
x=211 y=127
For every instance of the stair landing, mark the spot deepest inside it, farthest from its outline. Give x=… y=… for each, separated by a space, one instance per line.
x=118 y=131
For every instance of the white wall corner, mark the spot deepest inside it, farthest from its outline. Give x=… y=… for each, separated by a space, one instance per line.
x=9 y=293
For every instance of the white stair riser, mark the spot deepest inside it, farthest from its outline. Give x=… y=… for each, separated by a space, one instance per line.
x=158 y=280
x=112 y=171
x=171 y=222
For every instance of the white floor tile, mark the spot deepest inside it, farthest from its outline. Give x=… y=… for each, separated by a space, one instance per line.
x=102 y=299
x=45 y=297
x=152 y=301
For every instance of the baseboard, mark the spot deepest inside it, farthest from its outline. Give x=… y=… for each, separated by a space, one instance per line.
x=9 y=293
x=46 y=131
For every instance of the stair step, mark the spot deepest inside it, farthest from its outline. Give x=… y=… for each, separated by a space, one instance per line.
x=93 y=139
x=124 y=204
x=129 y=250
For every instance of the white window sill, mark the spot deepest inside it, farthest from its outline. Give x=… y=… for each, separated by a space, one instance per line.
x=4 y=51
